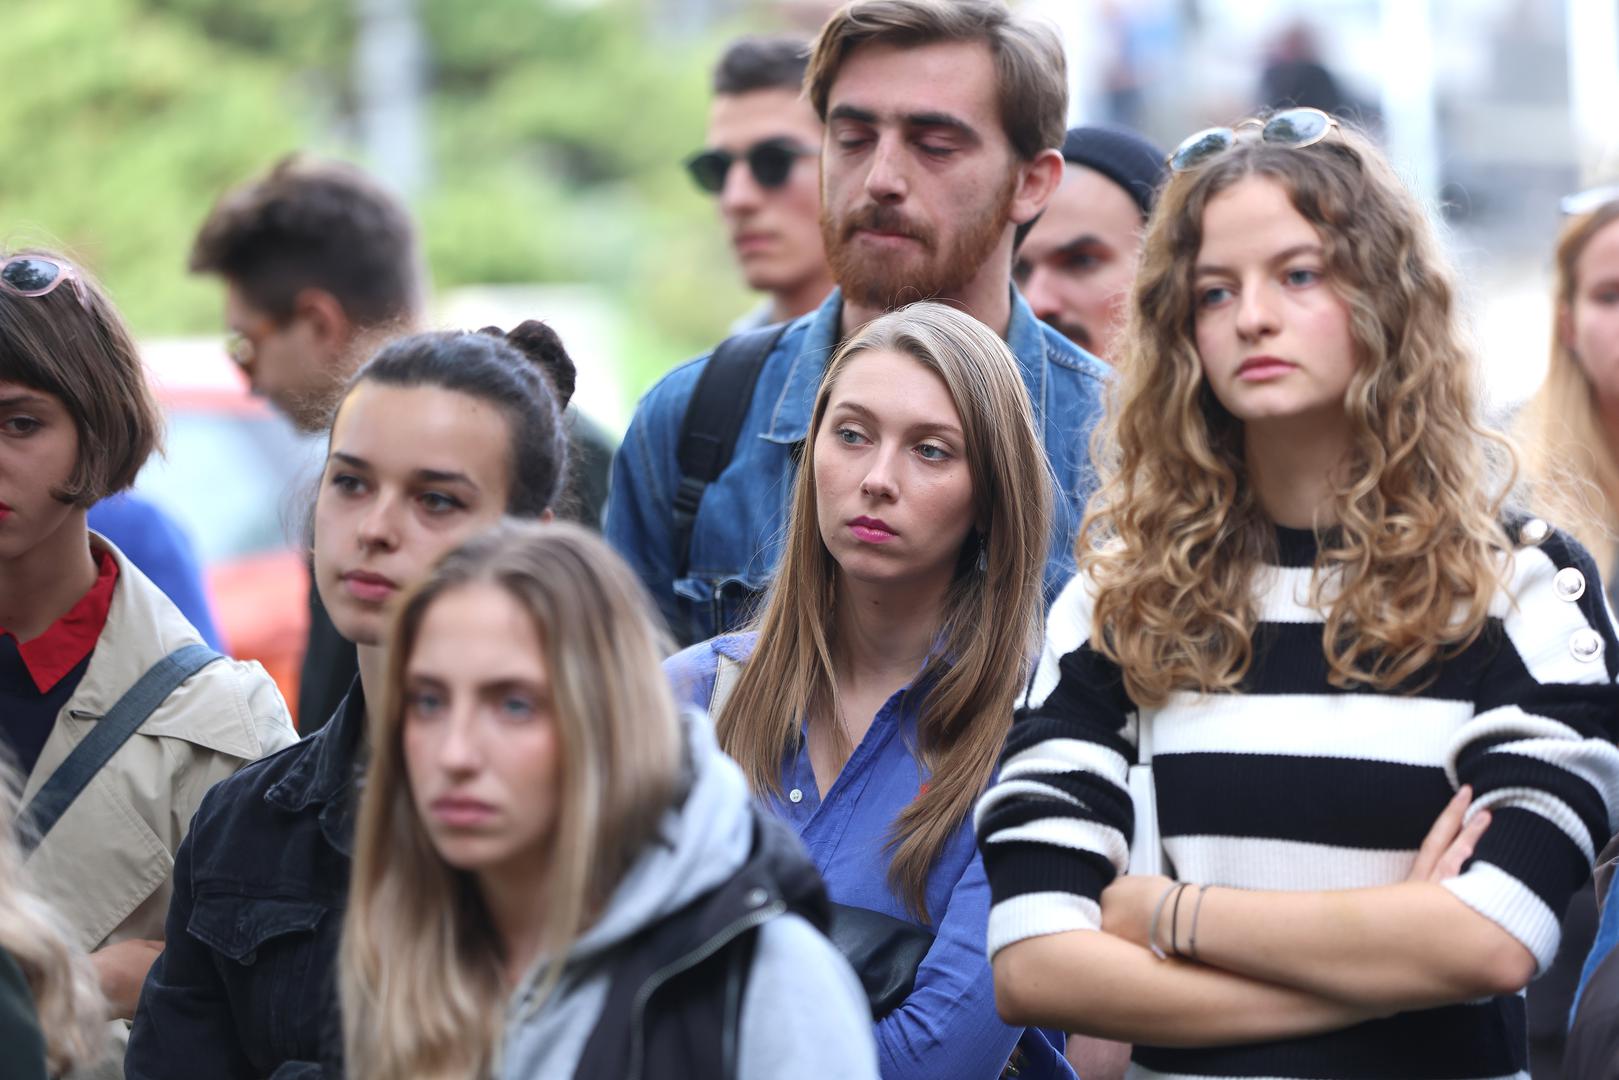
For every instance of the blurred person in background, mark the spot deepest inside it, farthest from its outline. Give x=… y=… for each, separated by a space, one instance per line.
x=869 y=700
x=569 y=854
x=759 y=161
x=436 y=438
x=52 y=1014
x=1077 y=264
x=943 y=127
x=151 y=539
x=320 y=265
x=114 y=709
x=1569 y=433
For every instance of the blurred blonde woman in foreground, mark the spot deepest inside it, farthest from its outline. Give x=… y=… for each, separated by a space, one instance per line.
x=556 y=874
x=51 y=1010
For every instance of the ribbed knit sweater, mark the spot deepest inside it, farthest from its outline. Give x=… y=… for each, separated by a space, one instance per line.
x=1292 y=783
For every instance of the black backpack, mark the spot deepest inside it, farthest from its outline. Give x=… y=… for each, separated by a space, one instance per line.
x=674 y=1001
x=712 y=424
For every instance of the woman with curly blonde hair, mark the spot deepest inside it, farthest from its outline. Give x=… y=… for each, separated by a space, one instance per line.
x=52 y=1014
x=1350 y=725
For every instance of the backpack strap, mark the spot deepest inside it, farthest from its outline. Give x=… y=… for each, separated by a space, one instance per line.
x=712 y=424
x=128 y=713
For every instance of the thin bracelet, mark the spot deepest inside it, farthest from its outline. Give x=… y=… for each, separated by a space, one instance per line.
x=1157 y=912
x=1197 y=909
x=1175 y=921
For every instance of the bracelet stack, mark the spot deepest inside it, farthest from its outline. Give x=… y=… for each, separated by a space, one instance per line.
x=1177 y=888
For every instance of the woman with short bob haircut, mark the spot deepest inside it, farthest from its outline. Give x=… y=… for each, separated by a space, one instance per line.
x=874 y=692
x=112 y=774
x=537 y=812
x=1371 y=717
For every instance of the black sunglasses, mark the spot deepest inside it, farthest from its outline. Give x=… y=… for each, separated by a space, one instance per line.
x=770 y=161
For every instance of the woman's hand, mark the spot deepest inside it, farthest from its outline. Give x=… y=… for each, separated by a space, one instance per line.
x=122 y=970
x=1127 y=907
x=1449 y=843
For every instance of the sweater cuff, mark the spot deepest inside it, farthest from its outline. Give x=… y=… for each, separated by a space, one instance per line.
x=1038 y=914
x=1512 y=905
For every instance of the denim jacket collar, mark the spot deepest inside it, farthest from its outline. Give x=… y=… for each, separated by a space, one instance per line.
x=815 y=336
x=326 y=776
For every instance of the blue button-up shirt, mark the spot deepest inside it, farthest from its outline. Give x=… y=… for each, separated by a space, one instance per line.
x=948 y=1026
x=738 y=534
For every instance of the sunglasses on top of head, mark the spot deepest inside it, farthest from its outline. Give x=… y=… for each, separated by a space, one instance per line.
x=1292 y=128
x=39 y=275
x=770 y=161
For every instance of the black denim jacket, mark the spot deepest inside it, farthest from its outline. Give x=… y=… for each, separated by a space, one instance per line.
x=246 y=983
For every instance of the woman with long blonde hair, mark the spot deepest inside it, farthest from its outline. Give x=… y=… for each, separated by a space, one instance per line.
x=1570 y=429
x=1367 y=718
x=578 y=867
x=874 y=691
x=52 y=1014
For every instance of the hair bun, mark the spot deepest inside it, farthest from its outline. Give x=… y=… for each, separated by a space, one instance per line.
x=540 y=343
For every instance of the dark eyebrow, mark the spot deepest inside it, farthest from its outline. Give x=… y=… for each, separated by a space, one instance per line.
x=915 y=120
x=1280 y=257
x=441 y=476
x=944 y=120
x=17 y=400
x=1081 y=241
x=425 y=476
x=941 y=429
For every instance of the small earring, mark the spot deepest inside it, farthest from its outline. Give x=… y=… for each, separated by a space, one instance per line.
x=983 y=553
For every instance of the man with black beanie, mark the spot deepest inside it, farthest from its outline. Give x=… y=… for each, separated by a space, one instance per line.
x=1078 y=262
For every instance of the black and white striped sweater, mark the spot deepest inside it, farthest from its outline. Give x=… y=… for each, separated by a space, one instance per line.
x=1291 y=783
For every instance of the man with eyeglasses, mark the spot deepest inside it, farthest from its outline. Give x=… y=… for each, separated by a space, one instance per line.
x=759 y=162
x=943 y=127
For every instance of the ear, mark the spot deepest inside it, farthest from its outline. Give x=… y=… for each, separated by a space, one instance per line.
x=328 y=323
x=548 y=515
x=1037 y=182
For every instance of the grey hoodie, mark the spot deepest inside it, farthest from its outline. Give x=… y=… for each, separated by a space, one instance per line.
x=804 y=1016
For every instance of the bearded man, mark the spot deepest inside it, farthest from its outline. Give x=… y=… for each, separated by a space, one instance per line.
x=943 y=123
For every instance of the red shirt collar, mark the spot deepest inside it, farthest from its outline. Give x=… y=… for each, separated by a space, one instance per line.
x=68 y=640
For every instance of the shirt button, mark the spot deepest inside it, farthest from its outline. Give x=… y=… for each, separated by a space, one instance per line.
x=796 y=795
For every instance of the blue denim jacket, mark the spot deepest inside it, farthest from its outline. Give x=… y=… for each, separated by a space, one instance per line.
x=245 y=986
x=743 y=518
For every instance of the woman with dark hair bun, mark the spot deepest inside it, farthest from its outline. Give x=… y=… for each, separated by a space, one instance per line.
x=436 y=438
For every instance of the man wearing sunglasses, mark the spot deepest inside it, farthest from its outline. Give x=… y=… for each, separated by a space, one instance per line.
x=759 y=162
x=944 y=121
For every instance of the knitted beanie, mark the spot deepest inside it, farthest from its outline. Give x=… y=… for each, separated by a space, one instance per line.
x=1127 y=159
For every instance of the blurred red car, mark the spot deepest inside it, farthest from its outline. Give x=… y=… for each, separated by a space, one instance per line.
x=238 y=477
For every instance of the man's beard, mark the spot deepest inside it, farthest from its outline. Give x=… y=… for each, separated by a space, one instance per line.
x=1078 y=333
x=885 y=283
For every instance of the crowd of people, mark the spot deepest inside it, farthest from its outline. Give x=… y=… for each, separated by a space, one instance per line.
x=1080 y=622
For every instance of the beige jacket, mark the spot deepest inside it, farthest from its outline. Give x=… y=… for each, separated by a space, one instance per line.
x=106 y=865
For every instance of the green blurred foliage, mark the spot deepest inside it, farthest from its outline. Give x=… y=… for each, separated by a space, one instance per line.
x=556 y=130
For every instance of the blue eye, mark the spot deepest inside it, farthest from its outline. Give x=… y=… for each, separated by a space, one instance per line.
x=423 y=703
x=517 y=708
x=850 y=437
x=1302 y=277
x=1212 y=296
x=930 y=452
